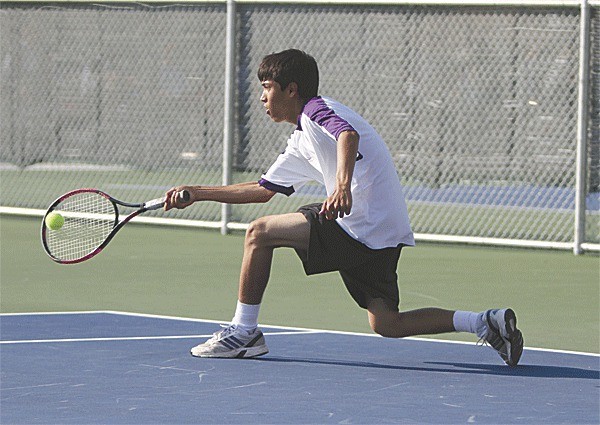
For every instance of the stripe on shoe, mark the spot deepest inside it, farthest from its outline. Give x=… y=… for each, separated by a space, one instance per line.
x=255 y=340
x=230 y=343
x=233 y=339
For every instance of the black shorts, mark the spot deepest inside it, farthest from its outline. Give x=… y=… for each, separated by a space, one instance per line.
x=367 y=273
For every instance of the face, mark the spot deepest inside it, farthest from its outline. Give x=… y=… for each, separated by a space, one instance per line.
x=281 y=105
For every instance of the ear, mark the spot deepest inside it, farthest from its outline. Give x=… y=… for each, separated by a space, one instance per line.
x=292 y=89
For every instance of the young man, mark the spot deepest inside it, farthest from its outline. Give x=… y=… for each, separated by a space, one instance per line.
x=359 y=229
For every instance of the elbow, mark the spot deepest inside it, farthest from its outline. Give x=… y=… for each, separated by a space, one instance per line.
x=350 y=139
x=352 y=136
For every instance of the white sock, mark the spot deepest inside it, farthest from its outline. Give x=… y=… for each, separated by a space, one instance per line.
x=467 y=321
x=246 y=316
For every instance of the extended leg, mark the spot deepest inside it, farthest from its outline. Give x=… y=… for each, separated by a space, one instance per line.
x=496 y=327
x=393 y=324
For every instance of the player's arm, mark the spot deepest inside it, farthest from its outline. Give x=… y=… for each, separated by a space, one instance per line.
x=240 y=193
x=340 y=201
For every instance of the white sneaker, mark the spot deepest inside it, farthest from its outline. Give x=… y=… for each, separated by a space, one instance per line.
x=233 y=342
x=502 y=334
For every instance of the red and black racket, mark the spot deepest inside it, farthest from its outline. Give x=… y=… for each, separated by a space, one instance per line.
x=90 y=219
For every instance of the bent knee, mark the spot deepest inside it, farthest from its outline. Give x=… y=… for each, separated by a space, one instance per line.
x=388 y=326
x=257 y=231
x=387 y=330
x=384 y=320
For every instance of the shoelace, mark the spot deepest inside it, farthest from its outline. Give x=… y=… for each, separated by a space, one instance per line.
x=223 y=333
x=484 y=343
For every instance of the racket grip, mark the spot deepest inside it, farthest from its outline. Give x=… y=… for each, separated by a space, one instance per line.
x=157 y=203
x=184 y=195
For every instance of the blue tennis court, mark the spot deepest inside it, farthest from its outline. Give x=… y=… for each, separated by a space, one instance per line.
x=111 y=367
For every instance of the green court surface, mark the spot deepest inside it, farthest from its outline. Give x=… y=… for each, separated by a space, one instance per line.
x=194 y=273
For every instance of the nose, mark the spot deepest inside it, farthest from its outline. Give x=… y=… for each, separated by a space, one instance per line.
x=263 y=97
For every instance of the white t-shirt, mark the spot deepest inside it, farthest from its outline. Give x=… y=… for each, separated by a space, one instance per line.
x=379 y=217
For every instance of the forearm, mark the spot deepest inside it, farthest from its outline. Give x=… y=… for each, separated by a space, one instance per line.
x=347 y=149
x=339 y=203
x=241 y=193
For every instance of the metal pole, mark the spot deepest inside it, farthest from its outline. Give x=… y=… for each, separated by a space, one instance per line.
x=582 y=127
x=229 y=114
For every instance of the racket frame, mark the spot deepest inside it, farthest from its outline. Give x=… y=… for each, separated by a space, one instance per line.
x=154 y=204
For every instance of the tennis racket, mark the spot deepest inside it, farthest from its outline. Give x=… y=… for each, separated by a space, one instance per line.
x=91 y=220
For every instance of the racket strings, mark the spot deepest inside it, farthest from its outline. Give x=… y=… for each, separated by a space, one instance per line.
x=89 y=219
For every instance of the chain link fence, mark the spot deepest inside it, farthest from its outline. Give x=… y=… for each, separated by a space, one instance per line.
x=478 y=105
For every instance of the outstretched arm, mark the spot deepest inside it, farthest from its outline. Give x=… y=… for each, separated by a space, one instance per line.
x=340 y=201
x=241 y=193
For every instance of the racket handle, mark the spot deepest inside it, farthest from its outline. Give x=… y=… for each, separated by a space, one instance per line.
x=184 y=195
x=157 y=203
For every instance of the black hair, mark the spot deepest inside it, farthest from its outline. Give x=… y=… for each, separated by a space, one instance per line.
x=292 y=66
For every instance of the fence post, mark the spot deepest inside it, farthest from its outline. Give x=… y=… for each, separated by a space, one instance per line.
x=582 y=127
x=229 y=110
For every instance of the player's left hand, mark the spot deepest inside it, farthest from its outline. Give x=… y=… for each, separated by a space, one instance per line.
x=338 y=204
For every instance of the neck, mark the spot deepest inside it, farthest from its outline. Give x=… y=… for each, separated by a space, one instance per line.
x=295 y=112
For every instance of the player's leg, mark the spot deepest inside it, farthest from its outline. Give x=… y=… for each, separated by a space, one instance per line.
x=389 y=322
x=262 y=237
x=374 y=286
x=243 y=338
x=496 y=327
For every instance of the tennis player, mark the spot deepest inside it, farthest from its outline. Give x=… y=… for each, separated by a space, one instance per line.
x=358 y=230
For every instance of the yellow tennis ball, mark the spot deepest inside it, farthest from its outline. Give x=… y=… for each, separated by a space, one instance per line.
x=55 y=221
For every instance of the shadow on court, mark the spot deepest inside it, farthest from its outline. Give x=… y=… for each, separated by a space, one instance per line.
x=533 y=371
x=528 y=370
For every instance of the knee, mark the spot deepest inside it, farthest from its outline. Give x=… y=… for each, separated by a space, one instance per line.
x=385 y=320
x=383 y=330
x=387 y=327
x=257 y=233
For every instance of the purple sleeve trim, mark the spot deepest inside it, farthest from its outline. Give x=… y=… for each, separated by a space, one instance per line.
x=317 y=110
x=287 y=191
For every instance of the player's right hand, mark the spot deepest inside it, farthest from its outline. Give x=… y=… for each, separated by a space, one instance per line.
x=174 y=200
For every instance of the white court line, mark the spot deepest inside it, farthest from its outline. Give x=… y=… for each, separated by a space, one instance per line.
x=124 y=338
x=293 y=330
x=55 y=313
x=131 y=338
